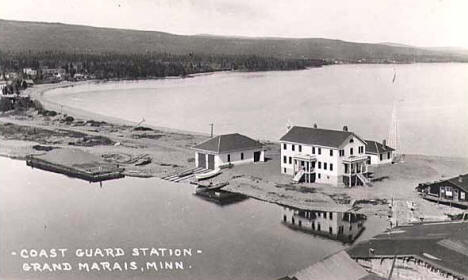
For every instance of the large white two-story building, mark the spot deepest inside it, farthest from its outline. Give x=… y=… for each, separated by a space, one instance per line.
x=324 y=156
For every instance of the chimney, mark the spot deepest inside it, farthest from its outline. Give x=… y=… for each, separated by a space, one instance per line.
x=460 y=179
x=384 y=142
x=315 y=125
x=345 y=128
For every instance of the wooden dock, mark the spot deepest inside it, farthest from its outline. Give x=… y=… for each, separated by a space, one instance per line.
x=185 y=175
x=77 y=164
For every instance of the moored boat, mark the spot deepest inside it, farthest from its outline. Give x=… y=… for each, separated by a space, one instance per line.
x=207 y=175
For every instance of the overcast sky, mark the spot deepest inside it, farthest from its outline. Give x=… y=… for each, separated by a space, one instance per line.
x=414 y=22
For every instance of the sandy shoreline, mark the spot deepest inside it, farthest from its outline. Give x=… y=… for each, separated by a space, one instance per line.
x=168 y=150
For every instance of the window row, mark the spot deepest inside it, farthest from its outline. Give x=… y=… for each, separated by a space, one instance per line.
x=318 y=150
x=293 y=147
x=229 y=157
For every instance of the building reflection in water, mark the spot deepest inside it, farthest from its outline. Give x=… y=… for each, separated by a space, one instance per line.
x=341 y=226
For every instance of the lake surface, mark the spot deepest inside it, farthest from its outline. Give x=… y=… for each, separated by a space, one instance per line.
x=431 y=103
x=246 y=240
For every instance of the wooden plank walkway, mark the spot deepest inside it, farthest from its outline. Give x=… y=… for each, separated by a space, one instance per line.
x=185 y=175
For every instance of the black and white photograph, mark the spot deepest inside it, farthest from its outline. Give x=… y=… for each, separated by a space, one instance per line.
x=234 y=139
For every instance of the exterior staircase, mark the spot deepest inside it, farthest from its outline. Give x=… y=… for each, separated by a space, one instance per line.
x=365 y=181
x=298 y=176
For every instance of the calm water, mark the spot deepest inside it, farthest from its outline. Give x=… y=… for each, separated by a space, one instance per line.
x=246 y=240
x=432 y=101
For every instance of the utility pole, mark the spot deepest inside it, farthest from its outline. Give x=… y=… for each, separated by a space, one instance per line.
x=211 y=135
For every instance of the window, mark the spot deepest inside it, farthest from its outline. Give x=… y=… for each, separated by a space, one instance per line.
x=331 y=166
x=242 y=156
x=330 y=215
x=351 y=140
x=285 y=159
x=331 y=152
x=361 y=149
x=284 y=170
x=319 y=151
x=319 y=165
x=325 y=165
x=341 y=153
x=351 y=151
x=318 y=174
x=229 y=158
x=290 y=160
x=330 y=230
x=313 y=150
x=389 y=155
x=300 y=148
x=346 y=169
x=381 y=156
x=293 y=147
x=313 y=164
x=285 y=146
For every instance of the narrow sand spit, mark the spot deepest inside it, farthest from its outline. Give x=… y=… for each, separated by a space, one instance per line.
x=147 y=151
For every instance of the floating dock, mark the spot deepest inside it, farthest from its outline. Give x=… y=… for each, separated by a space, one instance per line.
x=213 y=193
x=76 y=163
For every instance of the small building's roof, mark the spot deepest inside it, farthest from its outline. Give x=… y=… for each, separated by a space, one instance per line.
x=228 y=143
x=338 y=266
x=444 y=245
x=460 y=181
x=373 y=147
x=317 y=136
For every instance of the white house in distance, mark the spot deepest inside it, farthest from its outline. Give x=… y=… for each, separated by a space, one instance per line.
x=223 y=150
x=378 y=153
x=324 y=156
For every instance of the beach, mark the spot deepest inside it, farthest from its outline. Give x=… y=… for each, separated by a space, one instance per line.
x=148 y=151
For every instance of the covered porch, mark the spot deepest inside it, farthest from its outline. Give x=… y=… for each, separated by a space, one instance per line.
x=355 y=171
x=304 y=167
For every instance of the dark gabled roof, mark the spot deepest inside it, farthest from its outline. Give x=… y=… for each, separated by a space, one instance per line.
x=317 y=136
x=444 y=245
x=373 y=147
x=460 y=181
x=228 y=143
x=338 y=266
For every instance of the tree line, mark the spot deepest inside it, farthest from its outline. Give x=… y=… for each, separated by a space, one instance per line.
x=147 y=65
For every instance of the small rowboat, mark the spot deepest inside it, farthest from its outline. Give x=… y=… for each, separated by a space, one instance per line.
x=207 y=175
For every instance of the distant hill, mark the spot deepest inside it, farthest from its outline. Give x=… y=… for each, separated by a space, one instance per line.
x=35 y=36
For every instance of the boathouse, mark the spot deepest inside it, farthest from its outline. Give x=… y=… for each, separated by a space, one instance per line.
x=227 y=150
x=335 y=157
x=425 y=251
x=378 y=153
x=453 y=191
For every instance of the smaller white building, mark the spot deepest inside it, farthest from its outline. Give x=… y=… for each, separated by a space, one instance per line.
x=229 y=149
x=378 y=153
